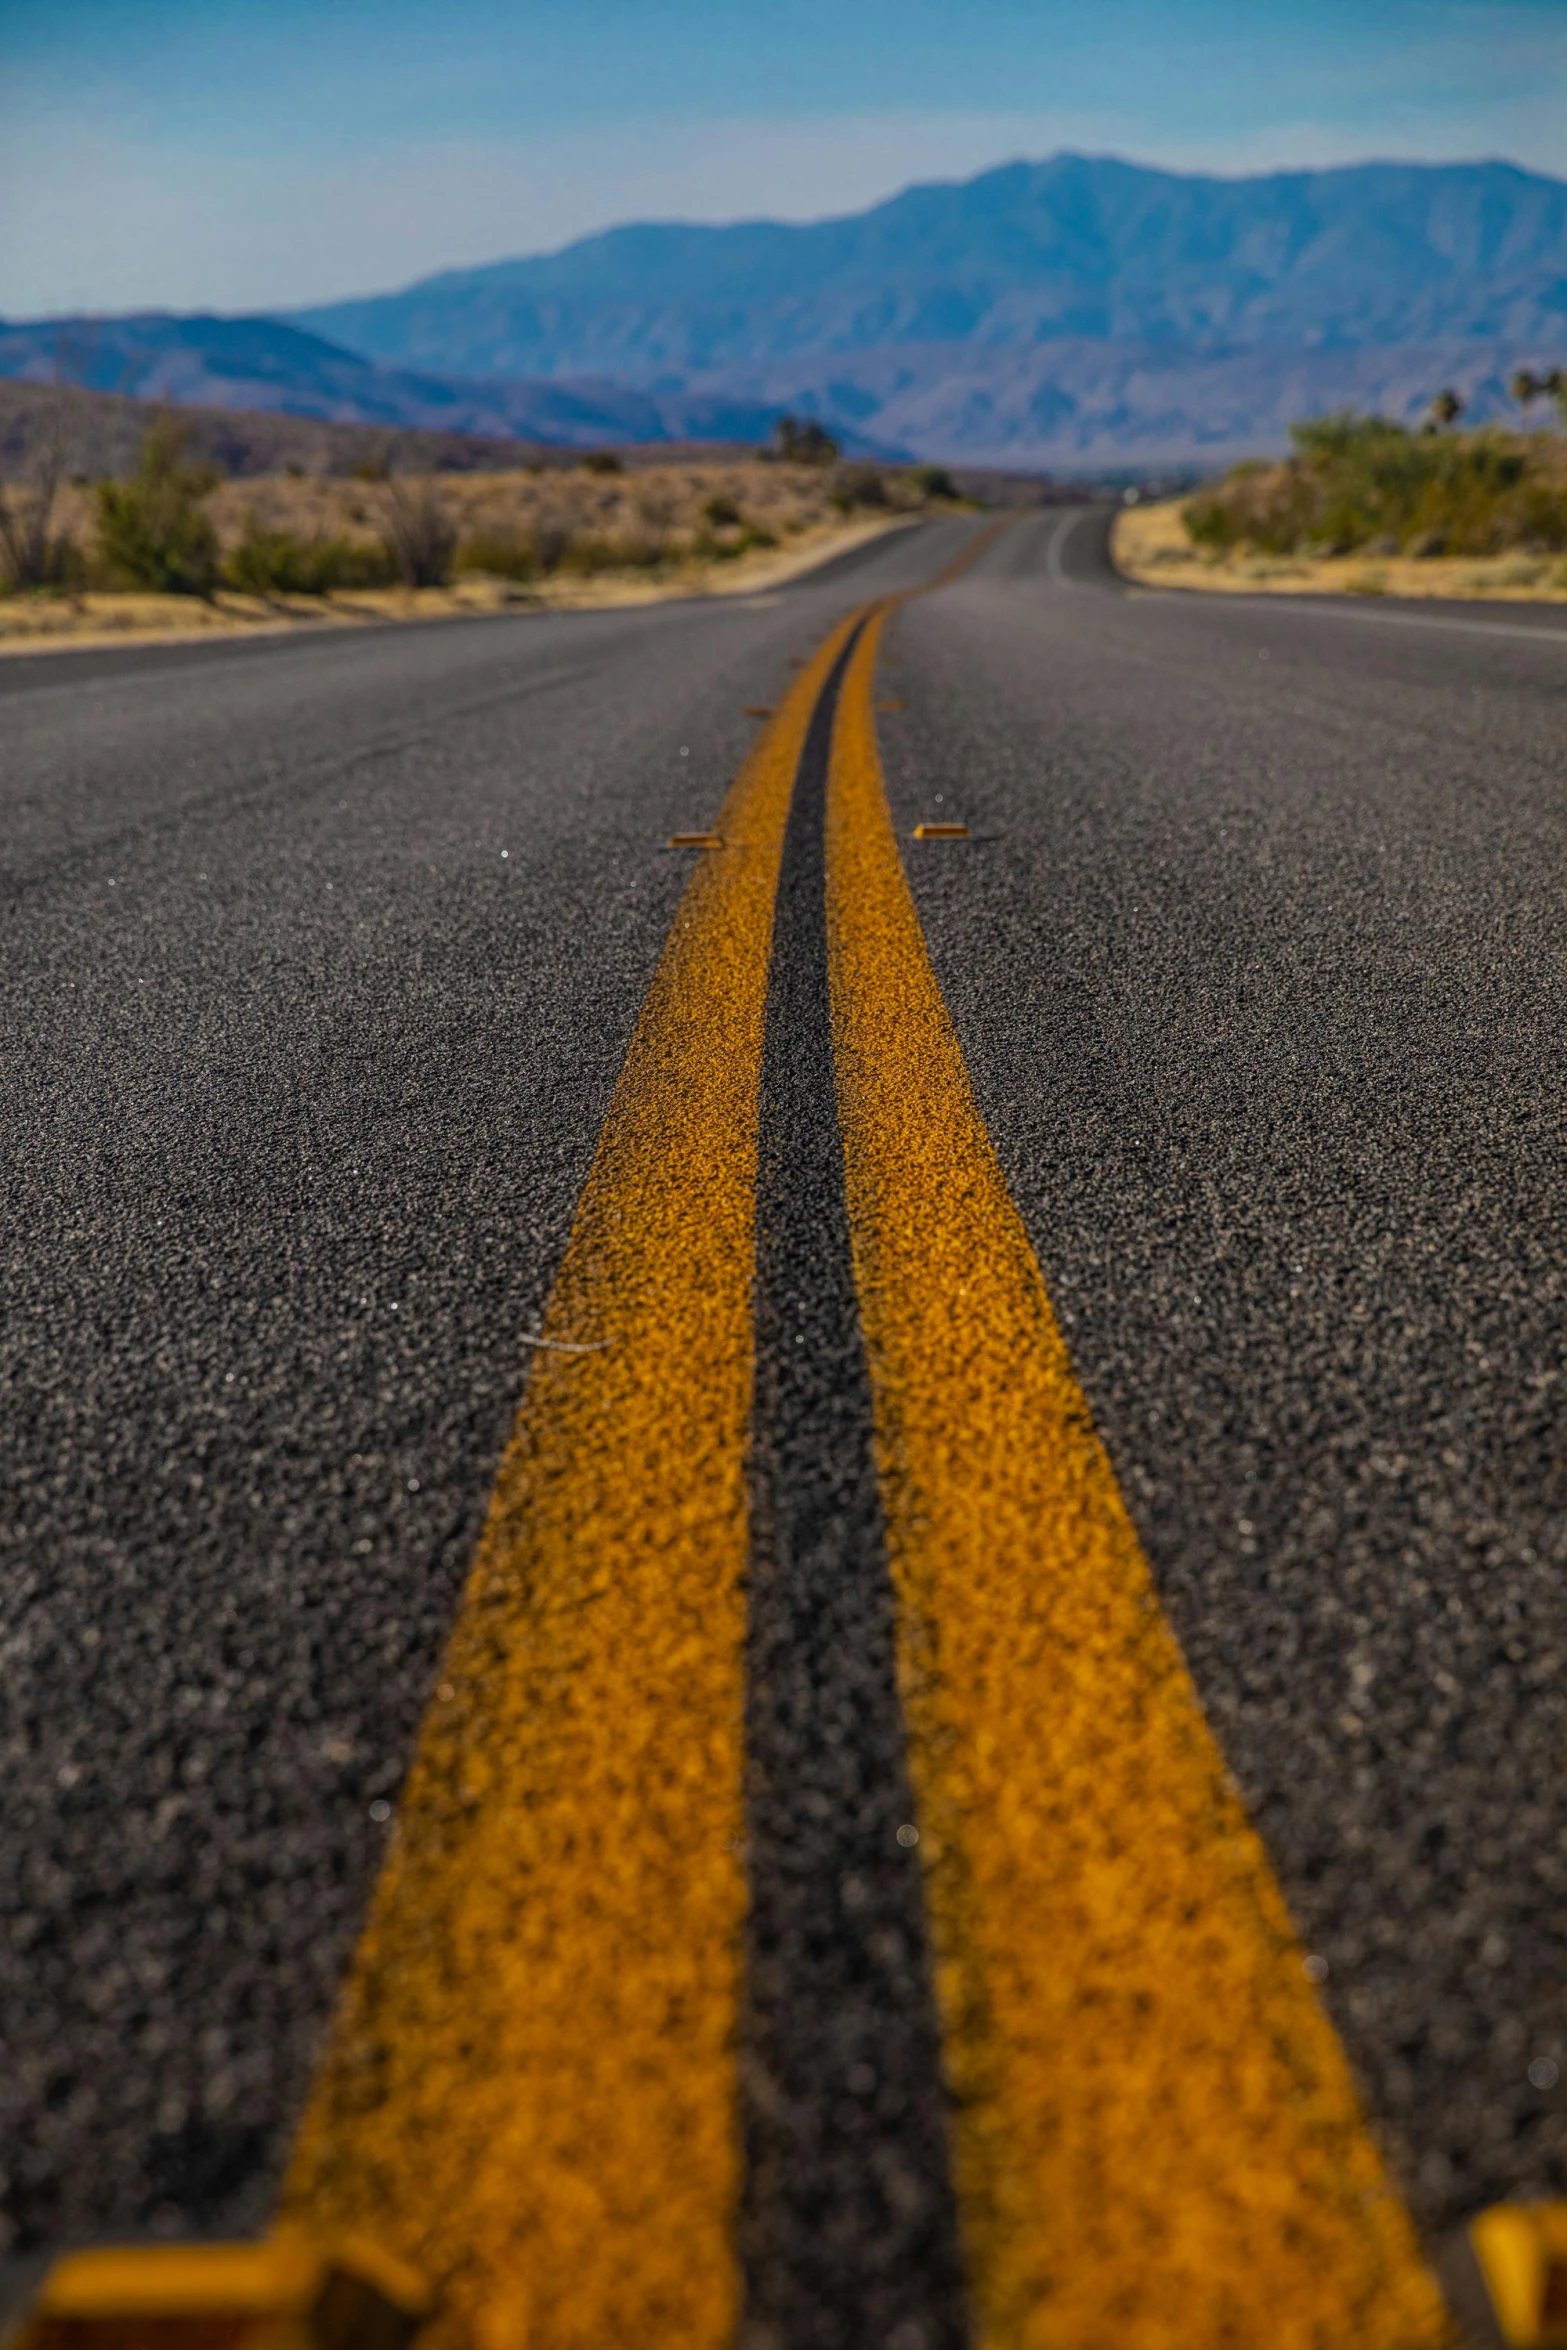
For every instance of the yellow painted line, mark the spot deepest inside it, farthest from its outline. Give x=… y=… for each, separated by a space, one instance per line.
x=1157 y=2142
x=529 y=2093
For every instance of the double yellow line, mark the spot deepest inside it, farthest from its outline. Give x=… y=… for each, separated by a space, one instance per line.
x=530 y=2092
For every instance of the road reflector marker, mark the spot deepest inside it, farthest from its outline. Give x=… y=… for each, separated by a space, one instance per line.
x=941 y=832
x=695 y=840
x=289 y=2292
x=1520 y=2251
x=758 y=709
x=889 y=705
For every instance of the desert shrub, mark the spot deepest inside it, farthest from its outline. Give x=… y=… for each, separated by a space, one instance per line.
x=35 y=559
x=552 y=547
x=1263 y=506
x=802 y=441
x=721 y=510
x=420 y=536
x=586 y=552
x=278 y=563
x=154 y=531
x=353 y=563
x=602 y=461
x=643 y=547
x=500 y=555
x=1365 y=482
x=708 y=547
x=858 y=485
x=933 y=481
x=550 y=541
x=33 y=553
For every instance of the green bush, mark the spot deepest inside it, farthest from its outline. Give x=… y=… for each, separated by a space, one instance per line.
x=721 y=510
x=802 y=441
x=46 y=562
x=500 y=556
x=153 y=531
x=420 y=537
x=1357 y=482
x=858 y=485
x=277 y=563
x=602 y=461
x=34 y=555
x=585 y=553
x=933 y=481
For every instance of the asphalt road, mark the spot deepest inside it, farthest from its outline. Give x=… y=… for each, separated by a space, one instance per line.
x=322 y=961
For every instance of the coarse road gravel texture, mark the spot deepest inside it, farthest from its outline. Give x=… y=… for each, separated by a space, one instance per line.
x=322 y=963
x=849 y=2227
x=1259 y=964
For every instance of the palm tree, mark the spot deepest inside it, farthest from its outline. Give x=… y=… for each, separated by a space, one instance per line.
x=1446 y=408
x=1526 y=388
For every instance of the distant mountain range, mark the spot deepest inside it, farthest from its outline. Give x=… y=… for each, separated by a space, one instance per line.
x=261 y=363
x=1078 y=312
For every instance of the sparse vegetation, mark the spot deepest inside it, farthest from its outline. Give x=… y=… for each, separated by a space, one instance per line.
x=292 y=541
x=34 y=553
x=154 y=530
x=933 y=481
x=500 y=555
x=1527 y=387
x=281 y=563
x=802 y=441
x=421 y=535
x=858 y=485
x=1363 y=484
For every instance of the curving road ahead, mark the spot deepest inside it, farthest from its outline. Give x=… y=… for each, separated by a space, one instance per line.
x=881 y=1893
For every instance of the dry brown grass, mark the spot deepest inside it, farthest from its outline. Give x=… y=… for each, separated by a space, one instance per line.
x=581 y=538
x=1150 y=544
x=655 y=514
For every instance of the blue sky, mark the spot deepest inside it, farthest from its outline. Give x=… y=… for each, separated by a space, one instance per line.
x=249 y=154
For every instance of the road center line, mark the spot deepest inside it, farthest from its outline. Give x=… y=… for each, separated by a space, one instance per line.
x=1157 y=2141
x=848 y=2225
x=529 y=2091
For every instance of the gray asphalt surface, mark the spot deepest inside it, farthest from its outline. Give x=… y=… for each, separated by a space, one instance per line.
x=320 y=963
x=849 y=2229
x=1261 y=972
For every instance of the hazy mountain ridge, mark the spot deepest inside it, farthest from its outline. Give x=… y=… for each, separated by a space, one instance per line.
x=1085 y=404
x=1076 y=313
x=265 y=364
x=1073 y=248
